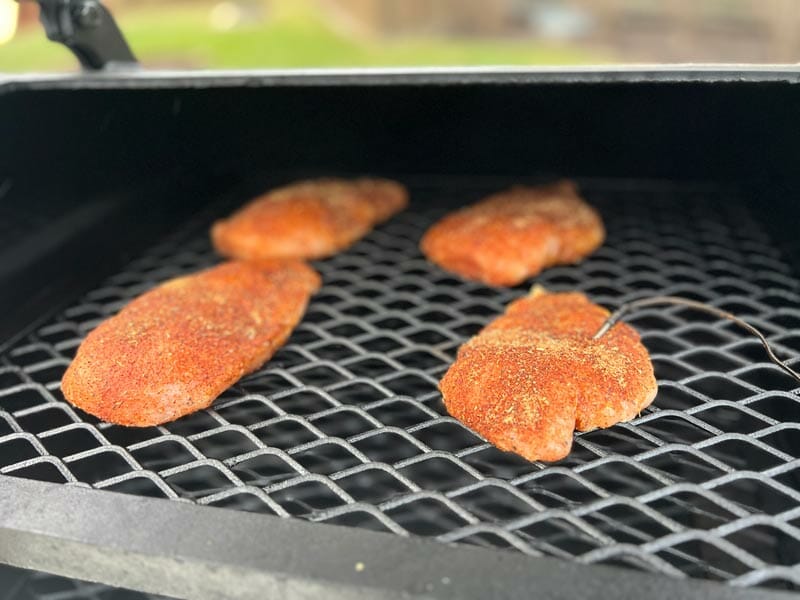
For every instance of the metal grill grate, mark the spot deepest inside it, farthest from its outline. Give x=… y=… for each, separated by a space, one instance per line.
x=345 y=424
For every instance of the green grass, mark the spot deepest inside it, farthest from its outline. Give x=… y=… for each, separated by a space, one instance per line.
x=181 y=37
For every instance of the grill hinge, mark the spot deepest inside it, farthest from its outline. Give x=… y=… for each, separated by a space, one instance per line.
x=88 y=29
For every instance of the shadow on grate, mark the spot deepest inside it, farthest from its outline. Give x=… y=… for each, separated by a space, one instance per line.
x=21 y=584
x=345 y=425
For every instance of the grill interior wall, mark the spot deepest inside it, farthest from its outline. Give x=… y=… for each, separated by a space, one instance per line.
x=345 y=425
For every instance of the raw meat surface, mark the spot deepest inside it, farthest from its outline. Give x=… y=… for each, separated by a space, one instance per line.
x=515 y=234
x=309 y=219
x=534 y=375
x=174 y=349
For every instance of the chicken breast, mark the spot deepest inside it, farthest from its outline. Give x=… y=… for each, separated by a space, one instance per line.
x=513 y=235
x=534 y=375
x=174 y=349
x=309 y=219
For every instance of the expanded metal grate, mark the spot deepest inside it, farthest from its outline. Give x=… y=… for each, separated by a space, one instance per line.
x=345 y=425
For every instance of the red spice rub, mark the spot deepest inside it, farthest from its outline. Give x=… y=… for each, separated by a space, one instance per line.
x=308 y=219
x=513 y=235
x=174 y=349
x=534 y=374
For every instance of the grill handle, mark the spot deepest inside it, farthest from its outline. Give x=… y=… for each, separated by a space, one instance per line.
x=88 y=29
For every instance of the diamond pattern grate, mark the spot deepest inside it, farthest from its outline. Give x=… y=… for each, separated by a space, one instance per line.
x=345 y=424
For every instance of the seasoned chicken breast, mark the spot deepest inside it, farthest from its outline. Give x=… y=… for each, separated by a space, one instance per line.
x=513 y=235
x=534 y=375
x=308 y=219
x=174 y=349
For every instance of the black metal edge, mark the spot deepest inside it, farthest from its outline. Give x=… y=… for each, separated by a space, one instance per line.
x=88 y=29
x=190 y=551
x=402 y=76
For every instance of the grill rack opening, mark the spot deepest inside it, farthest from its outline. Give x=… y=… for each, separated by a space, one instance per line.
x=345 y=425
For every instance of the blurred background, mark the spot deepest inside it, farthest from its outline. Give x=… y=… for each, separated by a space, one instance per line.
x=329 y=33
